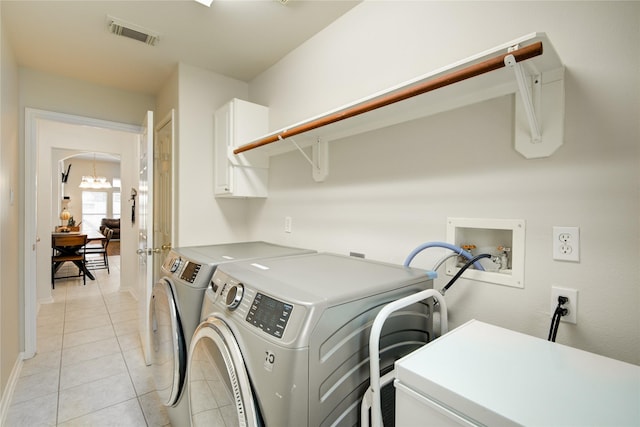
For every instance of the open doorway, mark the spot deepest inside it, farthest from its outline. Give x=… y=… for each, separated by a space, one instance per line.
x=46 y=132
x=90 y=189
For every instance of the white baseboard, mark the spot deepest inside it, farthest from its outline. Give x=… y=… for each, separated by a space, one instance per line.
x=7 y=394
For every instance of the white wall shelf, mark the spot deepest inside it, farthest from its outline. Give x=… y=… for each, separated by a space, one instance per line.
x=528 y=65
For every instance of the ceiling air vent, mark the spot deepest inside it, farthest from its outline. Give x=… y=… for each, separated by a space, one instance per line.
x=135 y=32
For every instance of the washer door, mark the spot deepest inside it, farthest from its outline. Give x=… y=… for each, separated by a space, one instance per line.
x=220 y=393
x=169 y=353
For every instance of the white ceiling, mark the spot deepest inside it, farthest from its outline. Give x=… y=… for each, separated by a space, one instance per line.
x=235 y=38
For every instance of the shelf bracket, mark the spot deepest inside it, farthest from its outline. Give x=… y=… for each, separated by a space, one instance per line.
x=319 y=160
x=526 y=96
x=540 y=106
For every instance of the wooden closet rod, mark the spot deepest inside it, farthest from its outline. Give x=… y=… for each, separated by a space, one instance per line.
x=491 y=64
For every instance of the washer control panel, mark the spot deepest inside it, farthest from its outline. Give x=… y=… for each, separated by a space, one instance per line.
x=269 y=314
x=250 y=306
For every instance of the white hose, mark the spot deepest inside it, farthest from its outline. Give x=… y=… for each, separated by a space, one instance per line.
x=374 y=351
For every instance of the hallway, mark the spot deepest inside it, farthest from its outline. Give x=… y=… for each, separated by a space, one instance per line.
x=89 y=369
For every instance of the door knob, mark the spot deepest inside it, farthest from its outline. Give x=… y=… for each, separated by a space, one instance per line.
x=141 y=251
x=166 y=246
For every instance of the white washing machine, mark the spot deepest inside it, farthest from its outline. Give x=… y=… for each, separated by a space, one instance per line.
x=175 y=311
x=284 y=342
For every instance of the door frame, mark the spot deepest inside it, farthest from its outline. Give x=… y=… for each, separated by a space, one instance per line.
x=31 y=138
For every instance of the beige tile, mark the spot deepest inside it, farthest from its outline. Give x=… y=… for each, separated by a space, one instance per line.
x=87 y=398
x=129 y=341
x=210 y=418
x=51 y=311
x=126 y=327
x=89 y=322
x=125 y=315
x=92 y=370
x=90 y=351
x=82 y=314
x=41 y=363
x=110 y=287
x=78 y=293
x=59 y=294
x=45 y=328
x=125 y=414
x=46 y=343
x=36 y=385
x=40 y=411
x=88 y=335
x=154 y=411
x=91 y=300
x=141 y=374
x=120 y=302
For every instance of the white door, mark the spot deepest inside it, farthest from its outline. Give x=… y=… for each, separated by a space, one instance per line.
x=163 y=192
x=145 y=233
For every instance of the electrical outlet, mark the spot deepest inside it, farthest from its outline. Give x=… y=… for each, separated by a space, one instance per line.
x=566 y=244
x=288 y=222
x=571 y=305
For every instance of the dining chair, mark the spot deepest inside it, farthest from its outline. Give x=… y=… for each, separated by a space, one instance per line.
x=96 y=255
x=68 y=248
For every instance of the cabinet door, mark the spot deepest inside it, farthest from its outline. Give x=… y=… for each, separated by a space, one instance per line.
x=245 y=175
x=223 y=141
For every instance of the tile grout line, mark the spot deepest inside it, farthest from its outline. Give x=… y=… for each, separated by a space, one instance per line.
x=144 y=416
x=66 y=305
x=64 y=318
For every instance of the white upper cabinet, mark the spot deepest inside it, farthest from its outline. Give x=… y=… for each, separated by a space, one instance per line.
x=236 y=123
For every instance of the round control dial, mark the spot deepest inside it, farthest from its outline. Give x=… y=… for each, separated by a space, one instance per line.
x=175 y=263
x=234 y=296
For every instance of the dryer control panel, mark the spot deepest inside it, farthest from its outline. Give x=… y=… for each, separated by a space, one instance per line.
x=189 y=271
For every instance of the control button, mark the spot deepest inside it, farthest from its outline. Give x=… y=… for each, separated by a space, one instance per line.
x=234 y=296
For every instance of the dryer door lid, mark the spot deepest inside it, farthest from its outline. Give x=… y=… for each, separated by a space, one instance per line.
x=168 y=353
x=219 y=387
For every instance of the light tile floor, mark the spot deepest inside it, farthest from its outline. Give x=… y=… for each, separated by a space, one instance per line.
x=89 y=369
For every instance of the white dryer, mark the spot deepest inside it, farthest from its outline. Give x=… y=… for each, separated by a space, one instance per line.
x=175 y=311
x=284 y=342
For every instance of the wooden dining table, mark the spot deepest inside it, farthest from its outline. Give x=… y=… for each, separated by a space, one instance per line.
x=91 y=236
